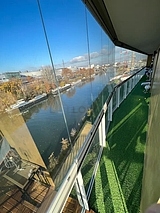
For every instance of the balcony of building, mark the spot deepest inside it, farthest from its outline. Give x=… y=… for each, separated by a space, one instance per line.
x=125 y=117
x=76 y=141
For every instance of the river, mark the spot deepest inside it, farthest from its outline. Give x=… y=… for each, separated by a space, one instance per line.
x=45 y=120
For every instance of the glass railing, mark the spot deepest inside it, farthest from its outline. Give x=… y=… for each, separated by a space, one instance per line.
x=114 y=100
x=55 y=79
x=87 y=157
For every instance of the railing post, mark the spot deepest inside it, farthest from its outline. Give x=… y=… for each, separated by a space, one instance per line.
x=131 y=83
x=81 y=193
x=110 y=109
x=134 y=80
x=118 y=96
x=125 y=90
x=102 y=132
x=130 y=88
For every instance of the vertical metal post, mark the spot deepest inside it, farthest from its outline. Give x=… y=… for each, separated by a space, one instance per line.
x=110 y=109
x=135 y=81
x=102 y=132
x=81 y=193
x=136 y=78
x=118 y=96
x=125 y=90
x=130 y=85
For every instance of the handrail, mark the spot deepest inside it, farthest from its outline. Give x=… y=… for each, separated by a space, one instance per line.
x=118 y=85
x=121 y=83
x=88 y=142
x=70 y=177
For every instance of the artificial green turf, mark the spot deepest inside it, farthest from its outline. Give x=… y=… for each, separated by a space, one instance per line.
x=117 y=187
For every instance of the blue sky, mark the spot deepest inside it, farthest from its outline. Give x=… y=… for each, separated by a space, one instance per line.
x=23 y=45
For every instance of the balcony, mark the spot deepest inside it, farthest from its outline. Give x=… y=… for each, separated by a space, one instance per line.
x=123 y=154
x=54 y=118
x=36 y=194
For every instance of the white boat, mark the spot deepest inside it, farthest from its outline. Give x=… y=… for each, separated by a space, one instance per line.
x=61 y=89
x=17 y=104
x=21 y=104
x=38 y=97
x=76 y=82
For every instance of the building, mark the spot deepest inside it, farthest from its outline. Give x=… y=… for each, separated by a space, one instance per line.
x=34 y=74
x=33 y=177
x=13 y=74
x=3 y=78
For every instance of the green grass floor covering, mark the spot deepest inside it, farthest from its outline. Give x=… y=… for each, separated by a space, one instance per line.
x=117 y=187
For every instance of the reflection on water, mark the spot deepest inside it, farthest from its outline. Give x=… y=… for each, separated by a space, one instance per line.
x=45 y=120
x=70 y=92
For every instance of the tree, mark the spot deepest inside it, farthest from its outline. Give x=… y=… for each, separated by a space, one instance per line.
x=48 y=75
x=52 y=162
x=65 y=144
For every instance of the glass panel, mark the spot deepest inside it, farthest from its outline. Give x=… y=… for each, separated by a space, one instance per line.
x=125 y=90
x=101 y=57
x=109 y=52
x=55 y=77
x=72 y=204
x=127 y=62
x=114 y=101
x=67 y=63
x=127 y=87
x=90 y=162
x=42 y=130
x=26 y=119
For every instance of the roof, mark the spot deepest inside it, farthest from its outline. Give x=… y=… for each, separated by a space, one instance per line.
x=134 y=25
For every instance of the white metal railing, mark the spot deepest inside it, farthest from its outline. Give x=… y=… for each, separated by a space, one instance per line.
x=117 y=96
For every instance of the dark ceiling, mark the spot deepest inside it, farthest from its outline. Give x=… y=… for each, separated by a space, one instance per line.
x=130 y=24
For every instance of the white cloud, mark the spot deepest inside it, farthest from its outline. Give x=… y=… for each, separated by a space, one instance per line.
x=78 y=59
x=104 y=51
x=94 y=54
x=84 y=57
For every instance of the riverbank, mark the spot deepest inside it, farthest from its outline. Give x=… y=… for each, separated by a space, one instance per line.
x=22 y=104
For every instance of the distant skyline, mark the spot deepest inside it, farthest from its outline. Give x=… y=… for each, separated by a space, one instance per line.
x=23 y=44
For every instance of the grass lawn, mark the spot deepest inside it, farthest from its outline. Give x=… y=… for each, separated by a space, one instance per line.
x=117 y=188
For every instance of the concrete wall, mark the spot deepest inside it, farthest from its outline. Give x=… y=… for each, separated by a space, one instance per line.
x=151 y=177
x=14 y=130
x=18 y=136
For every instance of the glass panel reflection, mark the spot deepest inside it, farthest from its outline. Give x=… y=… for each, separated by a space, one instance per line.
x=121 y=93
x=90 y=162
x=72 y=204
x=114 y=100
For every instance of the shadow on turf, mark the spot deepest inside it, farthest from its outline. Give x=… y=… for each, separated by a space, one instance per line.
x=128 y=161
